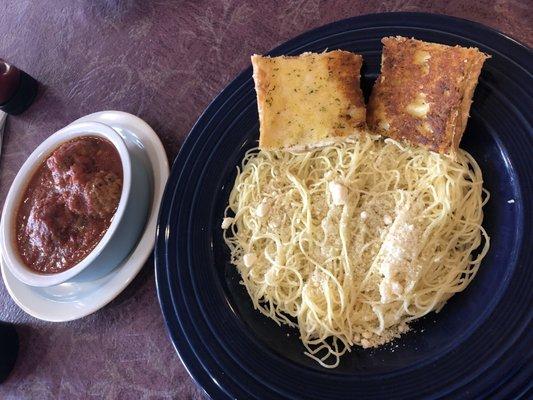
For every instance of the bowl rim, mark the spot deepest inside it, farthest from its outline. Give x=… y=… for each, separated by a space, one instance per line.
x=8 y=243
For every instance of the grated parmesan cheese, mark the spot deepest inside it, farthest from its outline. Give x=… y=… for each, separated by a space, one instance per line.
x=262 y=209
x=339 y=193
x=399 y=246
x=226 y=223
x=249 y=259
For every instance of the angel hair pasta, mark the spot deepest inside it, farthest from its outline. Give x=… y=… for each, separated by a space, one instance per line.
x=350 y=242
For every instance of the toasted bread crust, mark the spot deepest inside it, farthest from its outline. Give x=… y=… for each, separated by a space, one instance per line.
x=424 y=92
x=308 y=99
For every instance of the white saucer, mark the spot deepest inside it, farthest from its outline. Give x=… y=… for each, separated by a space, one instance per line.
x=76 y=299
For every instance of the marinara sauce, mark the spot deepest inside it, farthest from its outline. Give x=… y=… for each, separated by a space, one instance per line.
x=68 y=204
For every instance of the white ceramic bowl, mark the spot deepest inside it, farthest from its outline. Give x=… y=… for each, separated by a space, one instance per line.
x=117 y=240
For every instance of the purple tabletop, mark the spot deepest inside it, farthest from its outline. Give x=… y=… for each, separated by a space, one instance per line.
x=163 y=61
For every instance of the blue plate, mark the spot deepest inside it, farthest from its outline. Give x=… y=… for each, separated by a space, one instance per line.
x=479 y=346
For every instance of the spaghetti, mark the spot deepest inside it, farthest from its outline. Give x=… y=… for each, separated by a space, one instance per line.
x=351 y=242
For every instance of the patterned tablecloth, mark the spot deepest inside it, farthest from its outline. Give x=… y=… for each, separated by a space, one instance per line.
x=164 y=61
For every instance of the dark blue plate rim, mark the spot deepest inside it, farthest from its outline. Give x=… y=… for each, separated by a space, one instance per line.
x=182 y=342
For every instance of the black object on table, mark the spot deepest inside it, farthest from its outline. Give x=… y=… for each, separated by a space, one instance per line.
x=9 y=347
x=17 y=89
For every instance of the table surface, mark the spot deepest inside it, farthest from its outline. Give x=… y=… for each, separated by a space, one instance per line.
x=163 y=61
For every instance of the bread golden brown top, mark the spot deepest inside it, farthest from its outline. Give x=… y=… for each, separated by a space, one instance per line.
x=424 y=92
x=306 y=101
